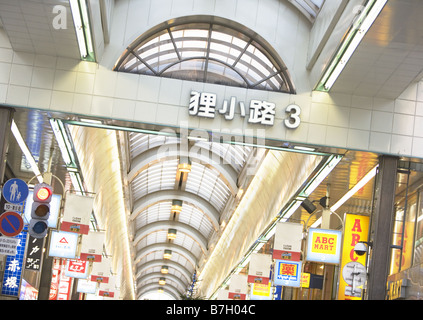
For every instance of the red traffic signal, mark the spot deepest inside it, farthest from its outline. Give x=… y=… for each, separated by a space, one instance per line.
x=40 y=210
x=42 y=192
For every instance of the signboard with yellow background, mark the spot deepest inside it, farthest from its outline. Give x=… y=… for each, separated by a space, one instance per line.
x=324 y=245
x=356 y=228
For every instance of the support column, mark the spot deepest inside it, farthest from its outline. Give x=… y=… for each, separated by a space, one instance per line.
x=381 y=227
x=6 y=115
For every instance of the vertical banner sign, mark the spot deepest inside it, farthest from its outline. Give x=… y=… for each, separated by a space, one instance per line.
x=259 y=269
x=287 y=244
x=223 y=294
x=356 y=228
x=13 y=268
x=238 y=287
x=107 y=289
x=65 y=283
x=55 y=278
x=76 y=214
x=287 y=273
x=34 y=253
x=92 y=246
x=101 y=271
x=324 y=245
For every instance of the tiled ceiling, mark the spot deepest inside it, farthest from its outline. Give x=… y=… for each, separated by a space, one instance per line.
x=390 y=57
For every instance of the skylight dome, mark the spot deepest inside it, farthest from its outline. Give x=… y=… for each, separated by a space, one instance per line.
x=207 y=52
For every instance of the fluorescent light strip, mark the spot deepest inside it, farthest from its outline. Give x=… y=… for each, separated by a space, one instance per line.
x=325 y=171
x=82 y=28
x=370 y=175
x=26 y=152
x=351 y=42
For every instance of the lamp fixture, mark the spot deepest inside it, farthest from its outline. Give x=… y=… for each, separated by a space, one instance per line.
x=82 y=28
x=350 y=43
x=171 y=234
x=25 y=151
x=164 y=270
x=167 y=254
x=184 y=164
x=176 y=206
x=162 y=281
x=160 y=290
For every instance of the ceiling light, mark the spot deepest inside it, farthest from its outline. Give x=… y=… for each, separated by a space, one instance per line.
x=349 y=194
x=82 y=28
x=184 y=164
x=171 y=234
x=25 y=151
x=351 y=41
x=331 y=163
x=160 y=290
x=176 y=206
x=162 y=281
x=164 y=270
x=167 y=254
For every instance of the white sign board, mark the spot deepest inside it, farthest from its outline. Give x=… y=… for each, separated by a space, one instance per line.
x=77 y=213
x=288 y=237
x=63 y=244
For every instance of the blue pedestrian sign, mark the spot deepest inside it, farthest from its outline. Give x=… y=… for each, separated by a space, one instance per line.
x=15 y=191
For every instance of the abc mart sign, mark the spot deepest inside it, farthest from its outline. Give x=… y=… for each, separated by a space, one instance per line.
x=204 y=104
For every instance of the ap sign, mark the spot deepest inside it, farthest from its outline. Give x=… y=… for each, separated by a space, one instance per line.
x=324 y=245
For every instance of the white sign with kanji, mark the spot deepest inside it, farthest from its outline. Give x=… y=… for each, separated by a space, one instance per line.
x=204 y=104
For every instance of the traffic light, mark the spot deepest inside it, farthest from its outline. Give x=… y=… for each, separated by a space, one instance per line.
x=40 y=210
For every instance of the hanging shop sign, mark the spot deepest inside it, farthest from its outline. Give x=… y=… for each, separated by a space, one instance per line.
x=86 y=286
x=77 y=269
x=324 y=245
x=287 y=273
x=107 y=289
x=287 y=244
x=356 y=228
x=100 y=272
x=77 y=213
x=261 y=291
x=238 y=287
x=92 y=246
x=63 y=244
x=204 y=104
x=259 y=268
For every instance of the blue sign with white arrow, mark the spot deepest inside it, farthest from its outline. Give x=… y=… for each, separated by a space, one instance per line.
x=15 y=191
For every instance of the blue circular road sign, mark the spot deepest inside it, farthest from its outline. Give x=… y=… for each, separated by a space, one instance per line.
x=11 y=223
x=15 y=191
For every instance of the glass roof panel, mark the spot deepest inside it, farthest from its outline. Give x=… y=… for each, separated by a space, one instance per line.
x=182 y=52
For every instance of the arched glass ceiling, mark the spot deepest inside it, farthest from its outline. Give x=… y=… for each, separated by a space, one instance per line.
x=207 y=52
x=310 y=8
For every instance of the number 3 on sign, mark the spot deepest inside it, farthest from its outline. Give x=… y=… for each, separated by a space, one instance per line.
x=294 y=119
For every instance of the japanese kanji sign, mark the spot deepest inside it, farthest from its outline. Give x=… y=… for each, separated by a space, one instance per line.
x=287 y=273
x=13 y=268
x=204 y=104
x=34 y=253
x=77 y=269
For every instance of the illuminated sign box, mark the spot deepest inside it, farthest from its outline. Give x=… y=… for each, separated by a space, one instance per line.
x=287 y=273
x=324 y=245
